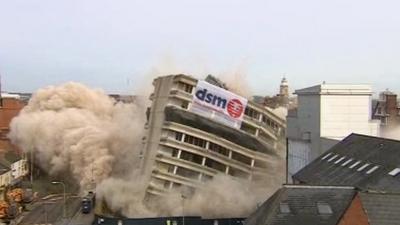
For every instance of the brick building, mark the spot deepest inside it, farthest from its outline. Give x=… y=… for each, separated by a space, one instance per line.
x=387 y=110
x=10 y=106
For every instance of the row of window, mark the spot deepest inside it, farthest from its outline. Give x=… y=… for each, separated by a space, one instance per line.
x=256 y=115
x=185 y=87
x=213 y=147
x=350 y=162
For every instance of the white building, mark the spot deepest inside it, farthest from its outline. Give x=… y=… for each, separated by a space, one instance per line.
x=326 y=114
x=185 y=149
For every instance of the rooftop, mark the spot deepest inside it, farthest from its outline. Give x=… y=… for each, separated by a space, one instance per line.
x=365 y=162
x=303 y=205
x=336 y=89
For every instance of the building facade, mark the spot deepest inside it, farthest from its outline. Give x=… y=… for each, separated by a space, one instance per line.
x=184 y=149
x=386 y=109
x=10 y=106
x=326 y=114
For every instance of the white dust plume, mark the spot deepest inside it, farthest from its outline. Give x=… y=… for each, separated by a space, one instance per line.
x=73 y=128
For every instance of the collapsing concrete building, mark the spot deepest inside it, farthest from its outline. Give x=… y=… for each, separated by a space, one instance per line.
x=196 y=130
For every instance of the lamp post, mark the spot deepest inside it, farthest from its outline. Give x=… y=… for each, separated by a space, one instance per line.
x=183 y=209
x=65 y=204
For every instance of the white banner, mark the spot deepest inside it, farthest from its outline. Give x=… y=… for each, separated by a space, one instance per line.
x=218 y=104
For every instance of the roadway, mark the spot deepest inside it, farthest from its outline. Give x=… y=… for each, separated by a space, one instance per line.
x=49 y=210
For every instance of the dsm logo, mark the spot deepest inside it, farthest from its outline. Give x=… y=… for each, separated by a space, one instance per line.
x=234 y=107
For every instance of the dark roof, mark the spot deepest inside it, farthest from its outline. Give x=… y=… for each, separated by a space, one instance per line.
x=377 y=157
x=301 y=205
x=381 y=208
x=174 y=114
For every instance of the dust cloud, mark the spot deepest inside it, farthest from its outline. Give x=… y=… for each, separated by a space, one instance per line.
x=74 y=129
x=391 y=132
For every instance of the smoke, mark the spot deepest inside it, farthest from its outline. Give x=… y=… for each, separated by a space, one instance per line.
x=281 y=112
x=236 y=80
x=391 y=132
x=71 y=128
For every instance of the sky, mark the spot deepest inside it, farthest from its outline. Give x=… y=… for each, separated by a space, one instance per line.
x=120 y=45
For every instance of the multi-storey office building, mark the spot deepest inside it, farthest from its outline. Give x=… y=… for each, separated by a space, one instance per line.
x=183 y=148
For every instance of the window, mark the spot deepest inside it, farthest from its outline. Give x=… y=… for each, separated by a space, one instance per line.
x=218 y=148
x=339 y=160
x=347 y=162
x=185 y=105
x=326 y=156
x=186 y=172
x=185 y=87
x=215 y=165
x=195 y=141
x=175 y=152
x=241 y=158
x=355 y=164
x=363 y=167
x=178 y=136
x=249 y=129
x=251 y=113
x=333 y=157
x=372 y=169
x=191 y=157
x=324 y=208
x=394 y=172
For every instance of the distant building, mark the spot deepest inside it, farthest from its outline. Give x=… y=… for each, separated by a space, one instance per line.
x=17 y=165
x=10 y=106
x=326 y=114
x=184 y=148
x=387 y=110
x=280 y=100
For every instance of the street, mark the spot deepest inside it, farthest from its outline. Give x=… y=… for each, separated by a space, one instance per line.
x=49 y=210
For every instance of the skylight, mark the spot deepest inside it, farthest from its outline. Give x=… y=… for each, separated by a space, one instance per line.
x=394 y=172
x=333 y=157
x=372 y=169
x=363 y=167
x=354 y=164
x=324 y=208
x=339 y=160
x=284 y=207
x=326 y=156
x=347 y=162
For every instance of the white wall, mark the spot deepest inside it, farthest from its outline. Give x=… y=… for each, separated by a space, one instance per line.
x=342 y=115
x=19 y=169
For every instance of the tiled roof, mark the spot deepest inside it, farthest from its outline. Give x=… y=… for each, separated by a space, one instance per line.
x=381 y=208
x=303 y=205
x=365 y=162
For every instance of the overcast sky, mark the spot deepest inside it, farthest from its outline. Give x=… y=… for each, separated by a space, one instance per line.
x=115 y=44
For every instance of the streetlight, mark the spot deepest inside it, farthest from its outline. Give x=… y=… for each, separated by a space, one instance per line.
x=183 y=209
x=65 y=205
